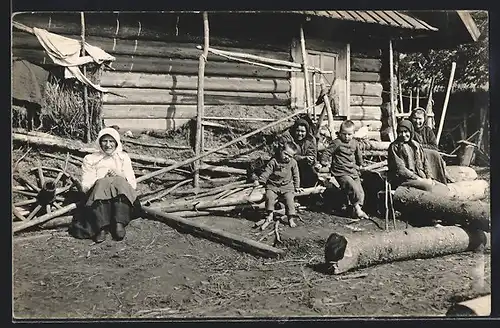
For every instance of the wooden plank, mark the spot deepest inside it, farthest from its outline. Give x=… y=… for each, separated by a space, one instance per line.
x=148 y=111
x=366 y=112
x=165 y=96
x=364 y=76
x=366 y=64
x=139 y=125
x=366 y=89
x=366 y=101
x=171 y=81
x=198 y=229
x=114 y=46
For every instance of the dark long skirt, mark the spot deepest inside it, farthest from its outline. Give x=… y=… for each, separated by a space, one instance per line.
x=308 y=176
x=100 y=211
x=436 y=164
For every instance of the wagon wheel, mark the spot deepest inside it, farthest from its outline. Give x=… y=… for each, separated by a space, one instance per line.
x=49 y=193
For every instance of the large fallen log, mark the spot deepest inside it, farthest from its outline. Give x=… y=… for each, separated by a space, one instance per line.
x=461 y=173
x=251 y=197
x=82 y=148
x=468 y=190
x=230 y=239
x=476 y=307
x=426 y=206
x=370 y=248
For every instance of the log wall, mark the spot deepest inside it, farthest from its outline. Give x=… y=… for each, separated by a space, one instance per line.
x=154 y=76
x=366 y=88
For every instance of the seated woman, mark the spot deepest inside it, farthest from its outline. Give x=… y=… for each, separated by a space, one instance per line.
x=300 y=133
x=425 y=136
x=109 y=183
x=407 y=163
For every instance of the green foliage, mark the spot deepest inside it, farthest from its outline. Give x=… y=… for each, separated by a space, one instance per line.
x=472 y=62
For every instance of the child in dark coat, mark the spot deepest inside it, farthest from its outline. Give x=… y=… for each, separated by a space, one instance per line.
x=281 y=179
x=344 y=159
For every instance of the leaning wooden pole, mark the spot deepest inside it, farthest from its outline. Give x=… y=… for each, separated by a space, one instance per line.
x=198 y=147
x=88 y=127
x=446 y=99
x=232 y=142
x=391 y=80
x=230 y=239
x=305 y=67
x=346 y=253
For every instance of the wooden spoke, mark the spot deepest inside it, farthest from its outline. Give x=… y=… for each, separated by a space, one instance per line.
x=59 y=198
x=18 y=215
x=59 y=176
x=33 y=213
x=57 y=205
x=25 y=181
x=40 y=175
x=26 y=193
x=26 y=202
x=63 y=189
x=48 y=209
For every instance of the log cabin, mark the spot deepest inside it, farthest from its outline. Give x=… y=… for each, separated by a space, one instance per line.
x=156 y=63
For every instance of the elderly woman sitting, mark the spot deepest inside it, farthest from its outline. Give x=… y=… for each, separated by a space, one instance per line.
x=425 y=136
x=109 y=183
x=407 y=163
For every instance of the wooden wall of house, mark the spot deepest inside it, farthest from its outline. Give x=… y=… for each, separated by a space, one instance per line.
x=366 y=89
x=156 y=67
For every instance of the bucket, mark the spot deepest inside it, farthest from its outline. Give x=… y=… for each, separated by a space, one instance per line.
x=465 y=153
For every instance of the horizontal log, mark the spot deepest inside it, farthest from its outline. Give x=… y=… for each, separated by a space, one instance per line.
x=461 y=173
x=148 y=26
x=61 y=221
x=371 y=248
x=44 y=218
x=364 y=76
x=373 y=125
x=198 y=229
x=158 y=65
x=251 y=197
x=365 y=101
x=139 y=47
x=366 y=89
x=365 y=113
x=468 y=190
x=145 y=124
x=189 y=97
x=426 y=206
x=80 y=147
x=480 y=306
x=170 y=81
x=365 y=64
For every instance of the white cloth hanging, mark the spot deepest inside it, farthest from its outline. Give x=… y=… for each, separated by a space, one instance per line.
x=66 y=52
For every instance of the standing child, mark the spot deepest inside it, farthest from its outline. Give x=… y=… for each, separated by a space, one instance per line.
x=281 y=179
x=344 y=158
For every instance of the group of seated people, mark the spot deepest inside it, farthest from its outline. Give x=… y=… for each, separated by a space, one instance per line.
x=109 y=183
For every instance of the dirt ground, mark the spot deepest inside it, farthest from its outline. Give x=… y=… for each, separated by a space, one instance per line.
x=159 y=272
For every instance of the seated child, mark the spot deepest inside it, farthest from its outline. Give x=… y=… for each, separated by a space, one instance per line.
x=281 y=179
x=344 y=158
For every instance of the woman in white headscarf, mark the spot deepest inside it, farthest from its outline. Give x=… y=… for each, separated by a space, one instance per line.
x=109 y=183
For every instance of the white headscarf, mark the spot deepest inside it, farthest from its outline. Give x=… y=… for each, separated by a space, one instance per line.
x=96 y=165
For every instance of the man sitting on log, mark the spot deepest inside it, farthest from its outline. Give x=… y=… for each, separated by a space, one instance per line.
x=425 y=136
x=407 y=163
x=344 y=159
x=281 y=179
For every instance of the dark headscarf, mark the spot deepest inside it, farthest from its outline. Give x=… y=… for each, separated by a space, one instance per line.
x=408 y=125
x=301 y=122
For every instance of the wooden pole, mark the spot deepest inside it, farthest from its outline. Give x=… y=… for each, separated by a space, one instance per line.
x=305 y=67
x=417 y=98
x=476 y=307
x=314 y=93
x=198 y=147
x=328 y=108
x=232 y=142
x=446 y=99
x=88 y=128
x=393 y=105
x=428 y=108
x=410 y=106
x=44 y=218
x=230 y=239
x=401 y=104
